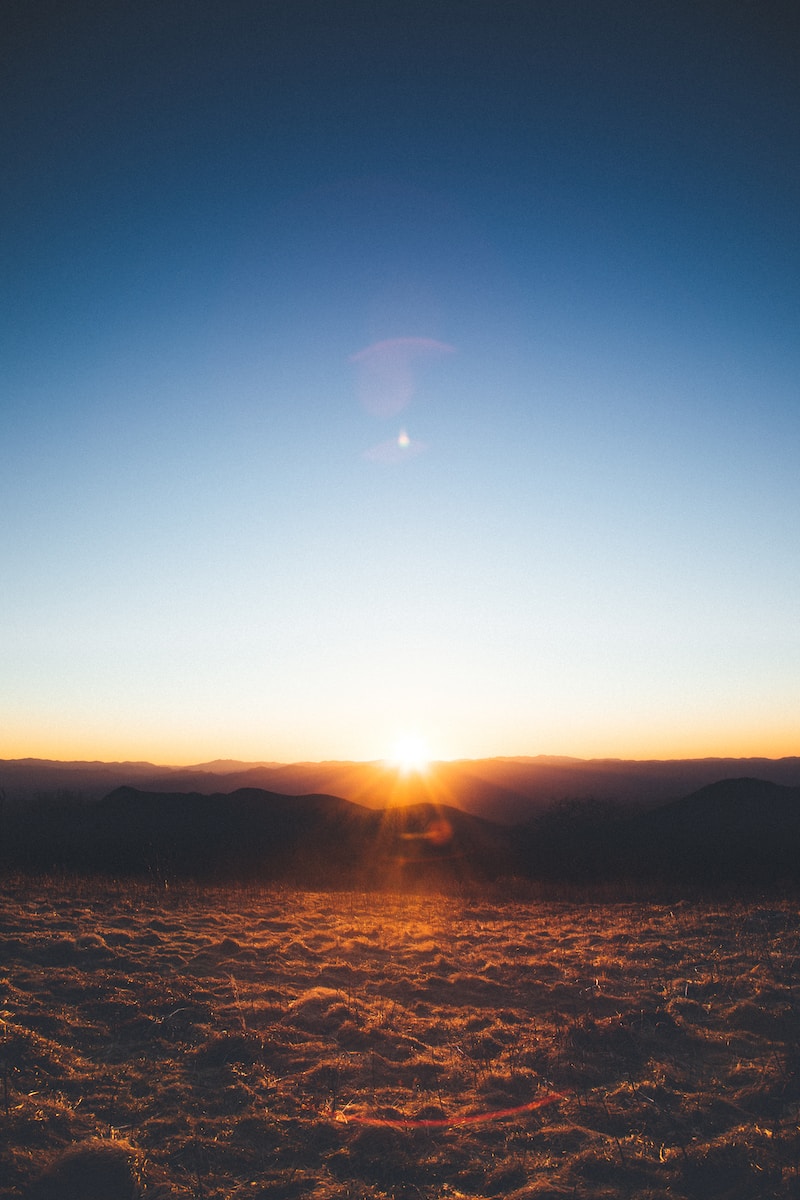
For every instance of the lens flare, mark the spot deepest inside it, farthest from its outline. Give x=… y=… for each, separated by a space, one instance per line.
x=480 y=1118
x=396 y=449
x=386 y=371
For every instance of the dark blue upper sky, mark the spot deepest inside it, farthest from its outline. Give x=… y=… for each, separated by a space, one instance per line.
x=588 y=501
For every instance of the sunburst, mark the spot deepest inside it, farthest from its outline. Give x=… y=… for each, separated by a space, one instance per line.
x=410 y=754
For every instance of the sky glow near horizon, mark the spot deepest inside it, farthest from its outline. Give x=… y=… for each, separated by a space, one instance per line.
x=379 y=370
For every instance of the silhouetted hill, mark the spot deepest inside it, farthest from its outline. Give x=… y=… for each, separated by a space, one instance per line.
x=244 y=833
x=746 y=829
x=735 y=831
x=314 y=840
x=509 y=790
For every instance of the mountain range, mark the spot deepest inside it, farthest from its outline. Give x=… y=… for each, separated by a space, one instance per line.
x=505 y=790
x=740 y=831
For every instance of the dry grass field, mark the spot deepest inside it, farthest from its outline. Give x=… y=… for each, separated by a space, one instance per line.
x=257 y=1044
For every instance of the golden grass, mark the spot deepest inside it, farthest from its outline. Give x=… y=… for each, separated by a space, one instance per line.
x=249 y=1044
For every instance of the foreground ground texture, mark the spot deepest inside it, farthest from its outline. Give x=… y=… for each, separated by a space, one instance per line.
x=285 y=1044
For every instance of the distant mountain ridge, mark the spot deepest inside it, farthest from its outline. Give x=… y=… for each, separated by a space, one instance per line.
x=509 y=790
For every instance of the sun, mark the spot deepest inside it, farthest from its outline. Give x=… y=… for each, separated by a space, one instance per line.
x=410 y=754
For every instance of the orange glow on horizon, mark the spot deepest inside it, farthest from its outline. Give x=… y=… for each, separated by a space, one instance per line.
x=65 y=745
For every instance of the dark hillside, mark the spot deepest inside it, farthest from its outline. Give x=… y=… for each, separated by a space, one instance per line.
x=313 y=840
x=736 y=831
x=745 y=829
x=242 y=834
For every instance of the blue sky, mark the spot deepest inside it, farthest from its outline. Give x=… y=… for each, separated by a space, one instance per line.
x=370 y=368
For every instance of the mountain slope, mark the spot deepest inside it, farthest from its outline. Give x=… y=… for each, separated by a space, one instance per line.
x=316 y=840
x=510 y=790
x=736 y=828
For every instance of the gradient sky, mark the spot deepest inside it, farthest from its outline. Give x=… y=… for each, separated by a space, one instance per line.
x=379 y=367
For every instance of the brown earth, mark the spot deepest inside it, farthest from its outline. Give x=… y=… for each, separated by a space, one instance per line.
x=278 y=1044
